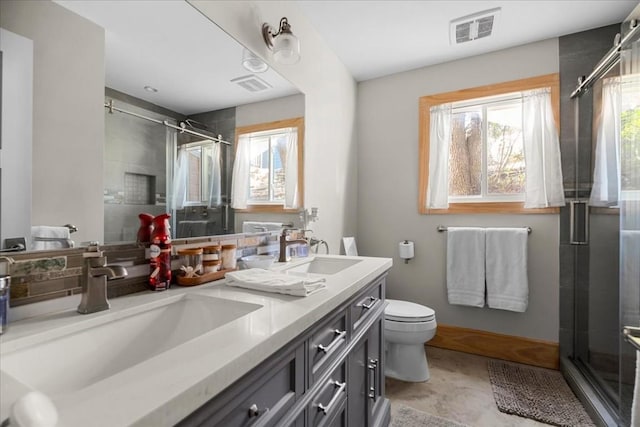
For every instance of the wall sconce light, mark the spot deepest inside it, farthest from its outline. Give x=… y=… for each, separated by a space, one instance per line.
x=285 y=46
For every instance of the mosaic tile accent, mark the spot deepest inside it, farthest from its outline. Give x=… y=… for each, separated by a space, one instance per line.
x=40 y=265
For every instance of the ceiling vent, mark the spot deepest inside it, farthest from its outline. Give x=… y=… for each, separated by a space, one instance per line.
x=473 y=27
x=252 y=83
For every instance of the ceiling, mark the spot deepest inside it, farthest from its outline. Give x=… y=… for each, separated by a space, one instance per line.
x=378 y=38
x=170 y=46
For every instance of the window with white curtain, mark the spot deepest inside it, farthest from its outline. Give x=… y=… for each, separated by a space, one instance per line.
x=197 y=175
x=491 y=149
x=267 y=167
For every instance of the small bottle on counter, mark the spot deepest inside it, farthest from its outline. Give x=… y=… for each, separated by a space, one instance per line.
x=5 y=284
x=228 y=255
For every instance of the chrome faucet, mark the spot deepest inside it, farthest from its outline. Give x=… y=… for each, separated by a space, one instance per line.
x=284 y=243
x=96 y=272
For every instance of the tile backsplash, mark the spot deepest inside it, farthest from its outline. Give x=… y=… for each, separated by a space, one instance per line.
x=46 y=275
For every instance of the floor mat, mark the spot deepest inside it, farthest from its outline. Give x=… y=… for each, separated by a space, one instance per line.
x=536 y=393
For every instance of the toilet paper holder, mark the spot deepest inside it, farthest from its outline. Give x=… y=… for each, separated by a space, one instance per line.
x=406 y=250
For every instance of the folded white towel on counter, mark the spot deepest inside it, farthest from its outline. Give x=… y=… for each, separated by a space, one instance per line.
x=273 y=281
x=465 y=266
x=507 y=285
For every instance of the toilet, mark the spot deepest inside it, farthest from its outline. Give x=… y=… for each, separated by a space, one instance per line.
x=407 y=326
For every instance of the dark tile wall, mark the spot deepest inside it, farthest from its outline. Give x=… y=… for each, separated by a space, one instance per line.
x=579 y=53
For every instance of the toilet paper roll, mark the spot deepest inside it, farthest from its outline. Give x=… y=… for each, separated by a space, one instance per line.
x=406 y=249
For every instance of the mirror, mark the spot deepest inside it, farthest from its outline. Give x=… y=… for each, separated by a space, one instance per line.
x=160 y=60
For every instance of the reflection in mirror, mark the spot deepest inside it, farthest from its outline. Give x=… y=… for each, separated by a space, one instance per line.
x=162 y=60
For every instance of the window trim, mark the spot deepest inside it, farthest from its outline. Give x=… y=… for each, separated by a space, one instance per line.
x=298 y=123
x=426 y=102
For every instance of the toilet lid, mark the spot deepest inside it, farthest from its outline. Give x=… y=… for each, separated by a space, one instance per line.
x=405 y=311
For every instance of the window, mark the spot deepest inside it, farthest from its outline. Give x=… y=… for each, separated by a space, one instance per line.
x=485 y=160
x=267 y=172
x=197 y=175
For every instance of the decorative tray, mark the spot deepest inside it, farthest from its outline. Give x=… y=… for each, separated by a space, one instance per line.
x=203 y=278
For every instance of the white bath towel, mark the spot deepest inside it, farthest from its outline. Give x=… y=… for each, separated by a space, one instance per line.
x=47 y=237
x=465 y=266
x=506 y=263
x=273 y=281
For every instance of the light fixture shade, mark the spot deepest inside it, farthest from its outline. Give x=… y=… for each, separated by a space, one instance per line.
x=286 y=49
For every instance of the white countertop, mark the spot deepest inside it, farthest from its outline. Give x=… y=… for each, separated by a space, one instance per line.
x=165 y=388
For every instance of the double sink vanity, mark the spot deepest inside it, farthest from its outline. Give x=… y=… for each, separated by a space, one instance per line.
x=213 y=355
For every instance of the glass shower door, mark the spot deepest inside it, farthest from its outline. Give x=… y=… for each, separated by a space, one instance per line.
x=629 y=219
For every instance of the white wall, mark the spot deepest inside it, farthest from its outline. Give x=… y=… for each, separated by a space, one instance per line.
x=15 y=152
x=287 y=107
x=330 y=102
x=68 y=114
x=387 y=112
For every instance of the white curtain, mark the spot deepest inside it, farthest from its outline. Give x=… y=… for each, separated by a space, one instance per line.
x=214 y=197
x=606 y=172
x=291 y=172
x=543 y=185
x=179 y=185
x=439 y=142
x=241 y=170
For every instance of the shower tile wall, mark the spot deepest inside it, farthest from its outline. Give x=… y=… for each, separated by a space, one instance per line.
x=579 y=53
x=133 y=148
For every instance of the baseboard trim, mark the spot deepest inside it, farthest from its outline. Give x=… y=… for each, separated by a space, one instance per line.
x=529 y=351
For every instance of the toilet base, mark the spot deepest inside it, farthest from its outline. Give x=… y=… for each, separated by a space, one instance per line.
x=406 y=362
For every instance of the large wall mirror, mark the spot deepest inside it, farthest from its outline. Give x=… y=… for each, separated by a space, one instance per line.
x=162 y=63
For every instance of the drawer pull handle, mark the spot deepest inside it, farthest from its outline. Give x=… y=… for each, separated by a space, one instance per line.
x=255 y=412
x=373 y=368
x=339 y=336
x=336 y=396
x=372 y=302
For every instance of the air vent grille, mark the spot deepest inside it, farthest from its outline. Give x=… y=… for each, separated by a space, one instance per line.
x=252 y=83
x=473 y=27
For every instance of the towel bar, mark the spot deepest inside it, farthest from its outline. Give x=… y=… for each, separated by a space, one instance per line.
x=442 y=228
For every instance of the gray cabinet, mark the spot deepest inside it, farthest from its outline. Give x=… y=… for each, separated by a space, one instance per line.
x=331 y=375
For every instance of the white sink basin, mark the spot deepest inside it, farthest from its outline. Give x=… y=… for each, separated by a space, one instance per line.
x=82 y=358
x=324 y=266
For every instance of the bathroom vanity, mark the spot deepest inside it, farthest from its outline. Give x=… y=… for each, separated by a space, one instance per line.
x=213 y=355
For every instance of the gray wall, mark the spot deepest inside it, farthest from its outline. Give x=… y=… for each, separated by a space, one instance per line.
x=68 y=124
x=388 y=193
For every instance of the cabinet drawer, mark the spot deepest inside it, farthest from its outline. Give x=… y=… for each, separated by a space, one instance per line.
x=366 y=303
x=330 y=398
x=260 y=399
x=326 y=343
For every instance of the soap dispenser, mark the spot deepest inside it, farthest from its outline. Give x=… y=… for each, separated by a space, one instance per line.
x=160 y=254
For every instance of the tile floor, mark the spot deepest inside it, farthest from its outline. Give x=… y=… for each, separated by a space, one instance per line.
x=459 y=389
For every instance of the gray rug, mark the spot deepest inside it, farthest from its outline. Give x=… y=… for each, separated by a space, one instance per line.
x=404 y=416
x=536 y=393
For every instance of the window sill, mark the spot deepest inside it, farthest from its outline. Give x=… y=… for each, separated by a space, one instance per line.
x=266 y=209
x=488 y=208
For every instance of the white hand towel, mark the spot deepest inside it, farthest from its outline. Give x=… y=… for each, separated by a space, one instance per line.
x=465 y=266
x=506 y=263
x=273 y=281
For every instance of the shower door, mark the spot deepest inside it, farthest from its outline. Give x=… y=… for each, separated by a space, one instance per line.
x=629 y=217
x=604 y=230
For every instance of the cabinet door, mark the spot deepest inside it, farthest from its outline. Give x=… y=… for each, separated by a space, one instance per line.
x=366 y=378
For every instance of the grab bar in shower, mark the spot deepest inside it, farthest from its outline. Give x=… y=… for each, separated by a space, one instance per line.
x=442 y=229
